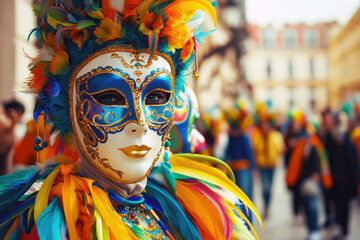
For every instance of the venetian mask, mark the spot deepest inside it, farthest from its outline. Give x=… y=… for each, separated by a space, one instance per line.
x=122 y=106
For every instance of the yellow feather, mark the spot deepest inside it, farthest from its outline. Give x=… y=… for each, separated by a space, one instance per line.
x=42 y=197
x=102 y=231
x=188 y=6
x=210 y=161
x=244 y=217
x=70 y=203
x=244 y=233
x=57 y=24
x=109 y=215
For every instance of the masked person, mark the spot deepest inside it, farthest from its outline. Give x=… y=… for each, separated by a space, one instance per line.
x=239 y=150
x=106 y=81
x=307 y=167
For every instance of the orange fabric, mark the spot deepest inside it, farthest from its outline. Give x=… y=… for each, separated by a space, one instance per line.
x=294 y=168
x=239 y=164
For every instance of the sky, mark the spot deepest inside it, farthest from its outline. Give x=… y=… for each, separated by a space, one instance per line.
x=277 y=12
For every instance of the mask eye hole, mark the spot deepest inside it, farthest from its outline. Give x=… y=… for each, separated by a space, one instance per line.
x=110 y=98
x=157 y=97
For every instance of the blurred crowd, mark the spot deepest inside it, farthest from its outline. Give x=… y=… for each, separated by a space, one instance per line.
x=319 y=154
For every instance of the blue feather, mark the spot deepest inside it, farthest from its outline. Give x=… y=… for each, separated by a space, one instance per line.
x=15 y=185
x=4 y=229
x=51 y=222
x=200 y=35
x=172 y=210
x=16 y=210
x=27 y=220
x=37 y=32
x=169 y=178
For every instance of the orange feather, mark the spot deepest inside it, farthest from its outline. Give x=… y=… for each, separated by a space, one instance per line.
x=108 y=11
x=201 y=211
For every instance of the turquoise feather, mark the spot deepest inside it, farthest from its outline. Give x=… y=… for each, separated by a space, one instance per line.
x=169 y=178
x=13 y=186
x=51 y=222
x=172 y=210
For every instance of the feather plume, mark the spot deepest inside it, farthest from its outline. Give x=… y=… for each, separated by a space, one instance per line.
x=102 y=231
x=209 y=176
x=108 y=10
x=172 y=210
x=14 y=185
x=217 y=201
x=53 y=214
x=200 y=209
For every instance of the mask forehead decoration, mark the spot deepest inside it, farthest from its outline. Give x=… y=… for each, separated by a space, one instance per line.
x=116 y=94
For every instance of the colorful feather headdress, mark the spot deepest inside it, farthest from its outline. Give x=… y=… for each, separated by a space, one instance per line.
x=71 y=30
x=239 y=116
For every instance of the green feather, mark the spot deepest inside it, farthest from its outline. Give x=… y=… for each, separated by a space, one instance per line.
x=85 y=24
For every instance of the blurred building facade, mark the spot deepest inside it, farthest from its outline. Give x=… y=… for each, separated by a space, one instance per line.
x=289 y=66
x=344 y=52
x=16 y=22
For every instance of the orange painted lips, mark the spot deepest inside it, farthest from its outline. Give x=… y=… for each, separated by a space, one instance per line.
x=135 y=151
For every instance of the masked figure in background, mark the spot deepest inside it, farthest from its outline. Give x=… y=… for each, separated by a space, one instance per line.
x=239 y=151
x=268 y=146
x=106 y=81
x=307 y=167
x=344 y=166
x=185 y=138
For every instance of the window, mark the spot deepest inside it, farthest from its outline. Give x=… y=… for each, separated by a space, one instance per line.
x=311 y=38
x=290 y=38
x=268 y=38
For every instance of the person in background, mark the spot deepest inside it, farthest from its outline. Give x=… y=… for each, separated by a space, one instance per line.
x=239 y=150
x=344 y=166
x=19 y=108
x=307 y=167
x=8 y=120
x=290 y=142
x=268 y=146
x=327 y=125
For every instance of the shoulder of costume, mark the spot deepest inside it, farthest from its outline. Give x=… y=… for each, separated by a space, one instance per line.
x=66 y=204
x=200 y=189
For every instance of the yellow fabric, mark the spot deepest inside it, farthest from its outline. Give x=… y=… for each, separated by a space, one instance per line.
x=267 y=150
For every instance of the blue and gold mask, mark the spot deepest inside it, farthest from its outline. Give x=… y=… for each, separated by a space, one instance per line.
x=122 y=109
